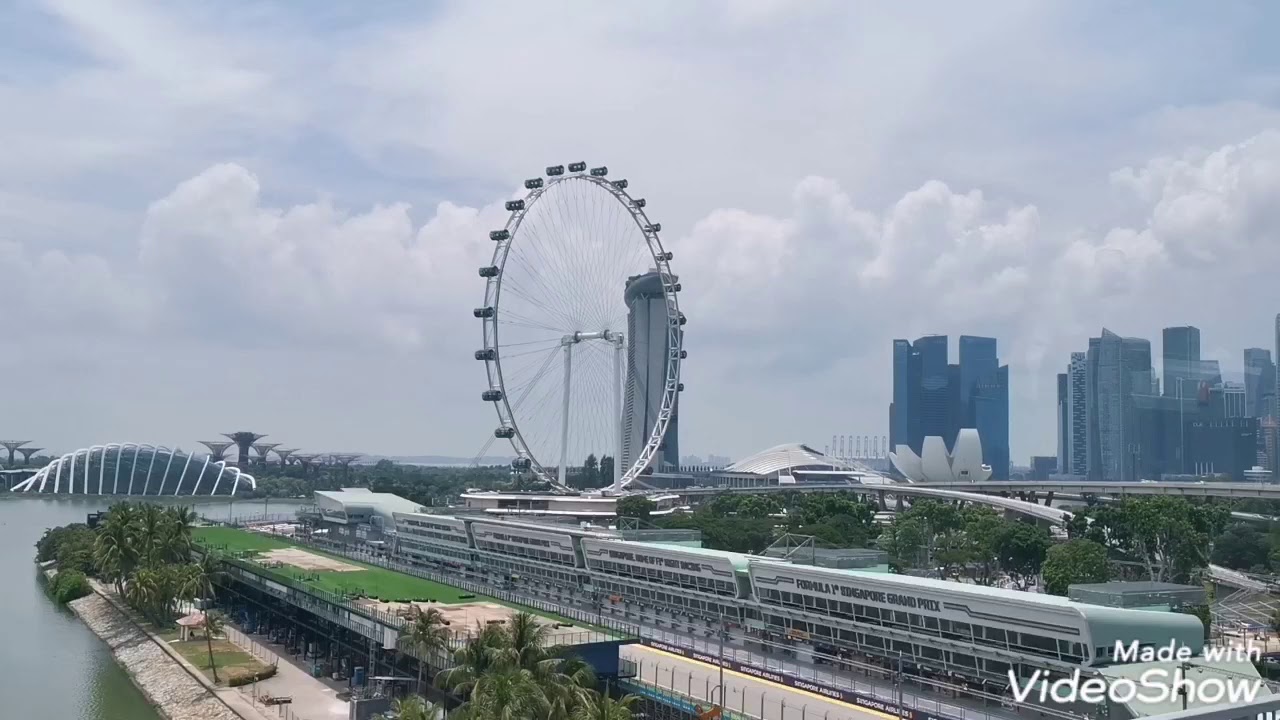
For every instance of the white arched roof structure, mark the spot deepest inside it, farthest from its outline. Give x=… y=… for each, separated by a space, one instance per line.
x=136 y=469
x=789 y=456
x=934 y=464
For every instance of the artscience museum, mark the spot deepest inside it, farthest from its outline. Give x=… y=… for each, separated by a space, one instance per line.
x=935 y=464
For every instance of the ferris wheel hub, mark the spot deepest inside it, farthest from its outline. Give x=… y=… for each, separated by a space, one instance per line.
x=611 y=336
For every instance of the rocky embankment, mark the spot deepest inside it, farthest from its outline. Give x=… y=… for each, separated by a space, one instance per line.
x=162 y=679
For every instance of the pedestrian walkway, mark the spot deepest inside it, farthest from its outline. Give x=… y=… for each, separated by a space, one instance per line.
x=312 y=698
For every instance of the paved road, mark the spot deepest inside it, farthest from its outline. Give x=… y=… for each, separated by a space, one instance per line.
x=748 y=695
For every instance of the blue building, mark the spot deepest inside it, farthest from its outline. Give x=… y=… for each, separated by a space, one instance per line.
x=932 y=397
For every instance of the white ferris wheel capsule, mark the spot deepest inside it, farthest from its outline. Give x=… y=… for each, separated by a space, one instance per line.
x=579 y=279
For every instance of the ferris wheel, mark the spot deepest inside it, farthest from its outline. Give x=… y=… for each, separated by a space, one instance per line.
x=582 y=330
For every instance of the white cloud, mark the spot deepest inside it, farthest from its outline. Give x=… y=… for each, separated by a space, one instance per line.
x=788 y=149
x=807 y=291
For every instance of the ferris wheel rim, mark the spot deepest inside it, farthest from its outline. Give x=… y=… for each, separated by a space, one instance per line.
x=493 y=293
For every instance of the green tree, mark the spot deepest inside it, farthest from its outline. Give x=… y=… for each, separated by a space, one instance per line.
x=604 y=707
x=506 y=693
x=1073 y=562
x=426 y=635
x=1241 y=546
x=1021 y=550
x=69 y=585
x=114 y=552
x=200 y=580
x=476 y=657
x=591 y=472
x=903 y=540
x=1169 y=535
x=636 y=506
x=412 y=707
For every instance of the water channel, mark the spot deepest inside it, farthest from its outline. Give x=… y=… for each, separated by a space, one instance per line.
x=51 y=665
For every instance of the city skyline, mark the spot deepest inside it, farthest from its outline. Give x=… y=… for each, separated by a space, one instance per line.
x=1120 y=417
x=282 y=229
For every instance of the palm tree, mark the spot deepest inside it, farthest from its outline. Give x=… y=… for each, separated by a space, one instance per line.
x=526 y=640
x=507 y=693
x=114 y=551
x=476 y=657
x=426 y=635
x=200 y=579
x=565 y=681
x=148 y=529
x=177 y=543
x=212 y=626
x=604 y=707
x=413 y=707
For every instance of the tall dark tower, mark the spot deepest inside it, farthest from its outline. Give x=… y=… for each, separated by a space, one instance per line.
x=646 y=373
x=244 y=440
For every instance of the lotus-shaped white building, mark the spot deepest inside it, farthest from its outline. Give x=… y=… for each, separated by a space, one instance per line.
x=935 y=464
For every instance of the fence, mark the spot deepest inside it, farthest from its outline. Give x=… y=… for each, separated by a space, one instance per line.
x=284 y=710
x=251 y=646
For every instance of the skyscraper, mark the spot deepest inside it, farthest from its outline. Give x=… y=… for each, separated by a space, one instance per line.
x=1275 y=403
x=1259 y=382
x=932 y=397
x=1064 y=421
x=1118 y=369
x=901 y=407
x=935 y=411
x=1181 y=361
x=1077 y=415
x=978 y=361
x=647 y=353
x=990 y=401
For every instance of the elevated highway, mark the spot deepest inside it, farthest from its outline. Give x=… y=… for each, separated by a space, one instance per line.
x=883 y=489
x=1120 y=489
x=985 y=493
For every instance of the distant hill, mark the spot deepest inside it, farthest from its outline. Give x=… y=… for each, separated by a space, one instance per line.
x=435 y=460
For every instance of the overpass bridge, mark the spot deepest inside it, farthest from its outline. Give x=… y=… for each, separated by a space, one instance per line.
x=1043 y=513
x=982 y=493
x=1119 y=489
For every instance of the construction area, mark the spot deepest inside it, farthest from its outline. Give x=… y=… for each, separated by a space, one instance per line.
x=467 y=619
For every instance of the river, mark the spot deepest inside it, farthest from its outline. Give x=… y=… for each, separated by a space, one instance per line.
x=51 y=665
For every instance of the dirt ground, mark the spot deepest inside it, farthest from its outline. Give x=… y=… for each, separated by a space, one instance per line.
x=466 y=617
x=307 y=561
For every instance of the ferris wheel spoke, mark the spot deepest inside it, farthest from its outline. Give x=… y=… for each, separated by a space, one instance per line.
x=554 y=298
x=557 y=261
x=550 y=314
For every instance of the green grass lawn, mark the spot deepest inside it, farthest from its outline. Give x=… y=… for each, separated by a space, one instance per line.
x=371 y=581
x=231 y=661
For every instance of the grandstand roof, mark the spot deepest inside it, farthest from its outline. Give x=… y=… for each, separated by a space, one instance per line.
x=788 y=456
x=382 y=503
x=739 y=561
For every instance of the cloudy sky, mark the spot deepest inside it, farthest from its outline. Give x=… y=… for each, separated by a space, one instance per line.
x=247 y=215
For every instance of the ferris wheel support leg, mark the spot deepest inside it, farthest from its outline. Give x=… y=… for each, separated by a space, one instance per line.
x=564 y=416
x=616 y=396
